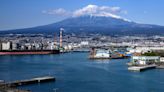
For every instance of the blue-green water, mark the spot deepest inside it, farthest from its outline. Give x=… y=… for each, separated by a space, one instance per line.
x=76 y=73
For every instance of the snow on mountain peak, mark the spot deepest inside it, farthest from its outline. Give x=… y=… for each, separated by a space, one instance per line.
x=99 y=11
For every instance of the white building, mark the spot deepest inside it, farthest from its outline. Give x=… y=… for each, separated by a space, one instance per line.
x=143 y=60
x=68 y=47
x=50 y=46
x=84 y=43
x=14 y=46
x=150 y=48
x=102 y=54
x=144 y=49
x=161 y=59
x=6 y=46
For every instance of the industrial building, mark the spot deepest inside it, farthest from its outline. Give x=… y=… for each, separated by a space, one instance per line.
x=145 y=60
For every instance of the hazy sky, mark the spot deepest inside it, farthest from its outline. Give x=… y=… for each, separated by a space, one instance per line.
x=15 y=14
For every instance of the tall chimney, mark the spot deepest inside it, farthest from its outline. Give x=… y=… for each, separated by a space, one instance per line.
x=61 y=39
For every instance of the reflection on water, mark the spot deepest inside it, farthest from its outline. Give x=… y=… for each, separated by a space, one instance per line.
x=101 y=61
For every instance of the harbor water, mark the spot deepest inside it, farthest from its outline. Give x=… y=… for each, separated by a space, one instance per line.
x=74 y=72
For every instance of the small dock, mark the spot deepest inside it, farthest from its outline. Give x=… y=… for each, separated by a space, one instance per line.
x=141 y=68
x=160 y=67
x=29 y=81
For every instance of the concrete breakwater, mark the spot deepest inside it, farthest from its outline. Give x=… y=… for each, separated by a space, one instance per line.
x=8 y=86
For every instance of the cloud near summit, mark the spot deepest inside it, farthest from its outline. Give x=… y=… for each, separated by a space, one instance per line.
x=92 y=10
x=57 y=12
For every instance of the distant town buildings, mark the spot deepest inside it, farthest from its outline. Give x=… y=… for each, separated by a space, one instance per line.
x=143 y=49
x=74 y=41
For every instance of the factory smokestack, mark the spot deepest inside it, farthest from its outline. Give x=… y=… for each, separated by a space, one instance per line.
x=61 y=38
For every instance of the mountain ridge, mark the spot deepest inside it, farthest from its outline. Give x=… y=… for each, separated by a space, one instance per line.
x=94 y=24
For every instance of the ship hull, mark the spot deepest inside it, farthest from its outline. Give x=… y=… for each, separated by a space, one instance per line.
x=28 y=52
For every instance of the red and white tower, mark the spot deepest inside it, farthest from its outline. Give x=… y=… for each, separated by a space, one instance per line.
x=61 y=37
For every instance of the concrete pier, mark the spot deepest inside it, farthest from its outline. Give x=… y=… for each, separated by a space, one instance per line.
x=140 y=68
x=29 y=81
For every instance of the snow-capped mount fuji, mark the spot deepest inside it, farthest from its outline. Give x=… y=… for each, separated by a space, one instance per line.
x=95 y=24
x=93 y=21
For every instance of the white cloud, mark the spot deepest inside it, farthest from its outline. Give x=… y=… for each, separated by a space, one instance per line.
x=98 y=11
x=92 y=10
x=95 y=10
x=57 y=12
x=88 y=10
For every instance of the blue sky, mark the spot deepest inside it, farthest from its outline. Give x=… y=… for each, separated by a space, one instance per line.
x=15 y=14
